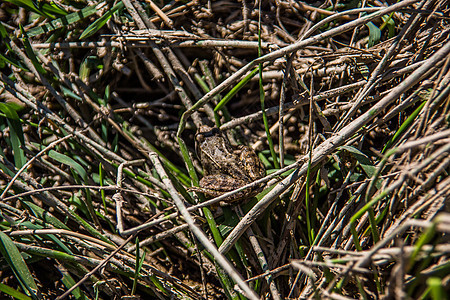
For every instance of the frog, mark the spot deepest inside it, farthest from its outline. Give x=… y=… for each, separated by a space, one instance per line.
x=226 y=167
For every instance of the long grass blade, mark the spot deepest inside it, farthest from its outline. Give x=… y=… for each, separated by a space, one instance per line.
x=15 y=261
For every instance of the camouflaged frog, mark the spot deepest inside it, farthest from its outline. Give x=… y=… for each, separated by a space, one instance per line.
x=226 y=167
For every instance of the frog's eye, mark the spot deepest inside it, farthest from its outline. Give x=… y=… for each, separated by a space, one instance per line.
x=215 y=131
x=199 y=137
x=209 y=133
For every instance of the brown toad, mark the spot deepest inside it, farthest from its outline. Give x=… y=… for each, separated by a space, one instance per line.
x=226 y=168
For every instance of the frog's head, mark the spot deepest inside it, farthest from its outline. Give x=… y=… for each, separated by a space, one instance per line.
x=205 y=132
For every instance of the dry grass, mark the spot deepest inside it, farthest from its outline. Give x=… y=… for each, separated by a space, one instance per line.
x=100 y=105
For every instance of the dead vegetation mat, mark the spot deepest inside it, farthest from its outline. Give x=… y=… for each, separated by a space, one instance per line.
x=345 y=103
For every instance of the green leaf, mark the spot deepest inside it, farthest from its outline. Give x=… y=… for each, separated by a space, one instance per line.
x=3 y=167
x=437 y=289
x=64 y=159
x=30 y=52
x=15 y=134
x=9 y=111
x=5 y=39
x=49 y=10
x=68 y=282
x=44 y=215
x=89 y=63
x=18 y=265
x=70 y=93
x=405 y=125
x=3 y=33
x=374 y=34
x=389 y=23
x=76 y=200
x=51 y=7
x=51 y=237
x=63 y=21
x=13 y=62
x=363 y=159
x=235 y=89
x=99 y=23
x=101 y=179
x=18 y=106
x=12 y=292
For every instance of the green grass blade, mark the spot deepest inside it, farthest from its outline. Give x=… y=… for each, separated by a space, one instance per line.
x=4 y=34
x=18 y=265
x=50 y=7
x=235 y=89
x=167 y=163
x=137 y=267
x=101 y=177
x=89 y=64
x=213 y=226
x=261 y=99
x=63 y=21
x=364 y=161
x=425 y=238
x=374 y=34
x=227 y=283
x=437 y=288
x=140 y=259
x=12 y=61
x=99 y=23
x=266 y=122
x=217 y=231
x=15 y=134
x=44 y=215
x=69 y=93
x=187 y=159
x=51 y=237
x=369 y=203
x=403 y=127
x=30 y=52
x=64 y=159
x=390 y=24
x=49 y=10
x=158 y=284
x=68 y=282
x=13 y=293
